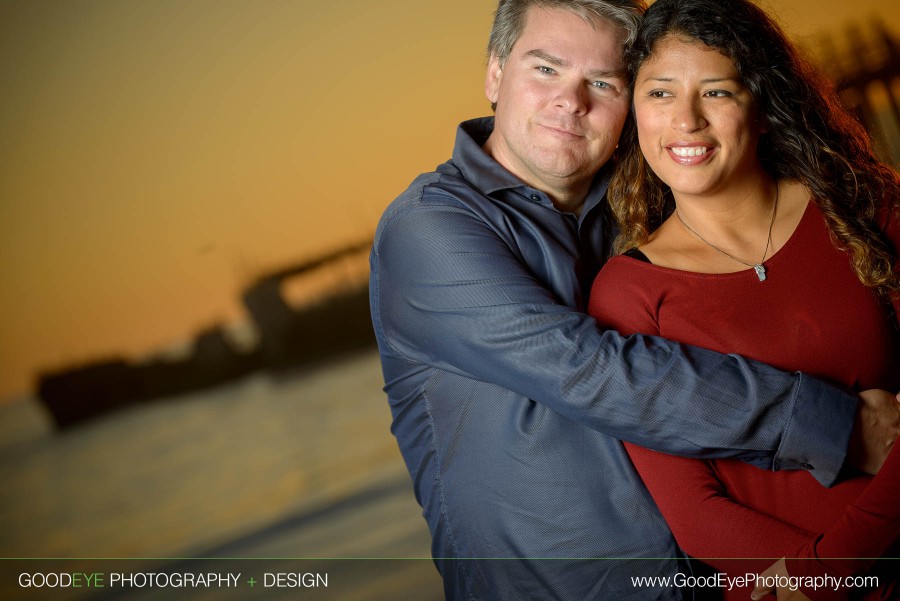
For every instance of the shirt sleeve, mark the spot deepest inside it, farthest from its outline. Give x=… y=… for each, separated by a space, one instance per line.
x=707 y=523
x=866 y=530
x=451 y=293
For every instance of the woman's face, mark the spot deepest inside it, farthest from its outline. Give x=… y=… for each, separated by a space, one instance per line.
x=697 y=124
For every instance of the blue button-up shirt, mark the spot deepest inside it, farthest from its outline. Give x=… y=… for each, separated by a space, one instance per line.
x=508 y=401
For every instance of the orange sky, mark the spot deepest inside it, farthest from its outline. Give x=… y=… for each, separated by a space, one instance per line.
x=154 y=154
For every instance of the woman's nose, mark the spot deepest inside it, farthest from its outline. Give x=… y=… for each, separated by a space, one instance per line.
x=688 y=116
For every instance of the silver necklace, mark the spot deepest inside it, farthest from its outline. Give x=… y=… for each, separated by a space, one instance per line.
x=759 y=268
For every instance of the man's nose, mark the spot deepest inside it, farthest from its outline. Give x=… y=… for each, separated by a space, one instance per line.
x=572 y=98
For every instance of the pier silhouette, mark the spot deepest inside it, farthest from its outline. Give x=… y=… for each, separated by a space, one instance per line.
x=288 y=337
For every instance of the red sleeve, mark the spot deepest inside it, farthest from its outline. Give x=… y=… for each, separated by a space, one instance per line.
x=706 y=522
x=867 y=529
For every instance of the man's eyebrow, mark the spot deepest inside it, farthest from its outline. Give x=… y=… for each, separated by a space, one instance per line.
x=546 y=57
x=559 y=62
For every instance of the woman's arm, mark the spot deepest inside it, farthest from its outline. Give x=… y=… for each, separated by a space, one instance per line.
x=866 y=530
x=707 y=523
x=845 y=548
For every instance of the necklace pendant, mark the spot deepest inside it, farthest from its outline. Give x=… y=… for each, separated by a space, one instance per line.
x=760 y=271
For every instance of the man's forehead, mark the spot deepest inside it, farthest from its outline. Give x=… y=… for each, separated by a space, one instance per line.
x=536 y=16
x=546 y=22
x=540 y=39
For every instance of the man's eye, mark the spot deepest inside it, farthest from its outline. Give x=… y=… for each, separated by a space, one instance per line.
x=546 y=70
x=602 y=85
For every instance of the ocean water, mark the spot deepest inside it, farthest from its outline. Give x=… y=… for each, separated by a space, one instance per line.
x=284 y=468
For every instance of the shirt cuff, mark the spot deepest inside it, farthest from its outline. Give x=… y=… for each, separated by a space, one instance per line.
x=818 y=431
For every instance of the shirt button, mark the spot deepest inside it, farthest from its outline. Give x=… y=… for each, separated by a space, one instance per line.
x=535 y=198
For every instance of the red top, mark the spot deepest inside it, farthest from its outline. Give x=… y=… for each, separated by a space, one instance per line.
x=813 y=315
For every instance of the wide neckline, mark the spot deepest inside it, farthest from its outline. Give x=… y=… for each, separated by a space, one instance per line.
x=774 y=259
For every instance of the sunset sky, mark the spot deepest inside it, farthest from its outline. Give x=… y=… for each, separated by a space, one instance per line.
x=156 y=154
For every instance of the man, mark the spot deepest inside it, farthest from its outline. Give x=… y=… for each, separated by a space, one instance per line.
x=507 y=399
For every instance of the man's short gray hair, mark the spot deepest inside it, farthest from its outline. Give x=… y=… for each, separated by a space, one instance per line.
x=509 y=20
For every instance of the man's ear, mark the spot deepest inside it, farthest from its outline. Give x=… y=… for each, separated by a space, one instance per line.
x=492 y=79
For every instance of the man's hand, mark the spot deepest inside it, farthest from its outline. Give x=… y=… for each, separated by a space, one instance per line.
x=776 y=570
x=876 y=428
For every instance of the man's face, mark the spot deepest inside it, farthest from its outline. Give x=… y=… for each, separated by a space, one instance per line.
x=562 y=100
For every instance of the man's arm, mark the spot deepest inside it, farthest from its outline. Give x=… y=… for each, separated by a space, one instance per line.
x=451 y=293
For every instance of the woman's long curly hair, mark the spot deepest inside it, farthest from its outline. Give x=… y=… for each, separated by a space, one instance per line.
x=810 y=137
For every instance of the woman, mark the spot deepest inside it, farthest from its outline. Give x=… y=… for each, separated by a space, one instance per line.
x=756 y=221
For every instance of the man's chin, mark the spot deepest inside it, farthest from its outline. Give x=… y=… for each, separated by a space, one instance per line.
x=571 y=170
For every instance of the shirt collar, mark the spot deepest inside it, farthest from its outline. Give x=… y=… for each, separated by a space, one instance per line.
x=490 y=177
